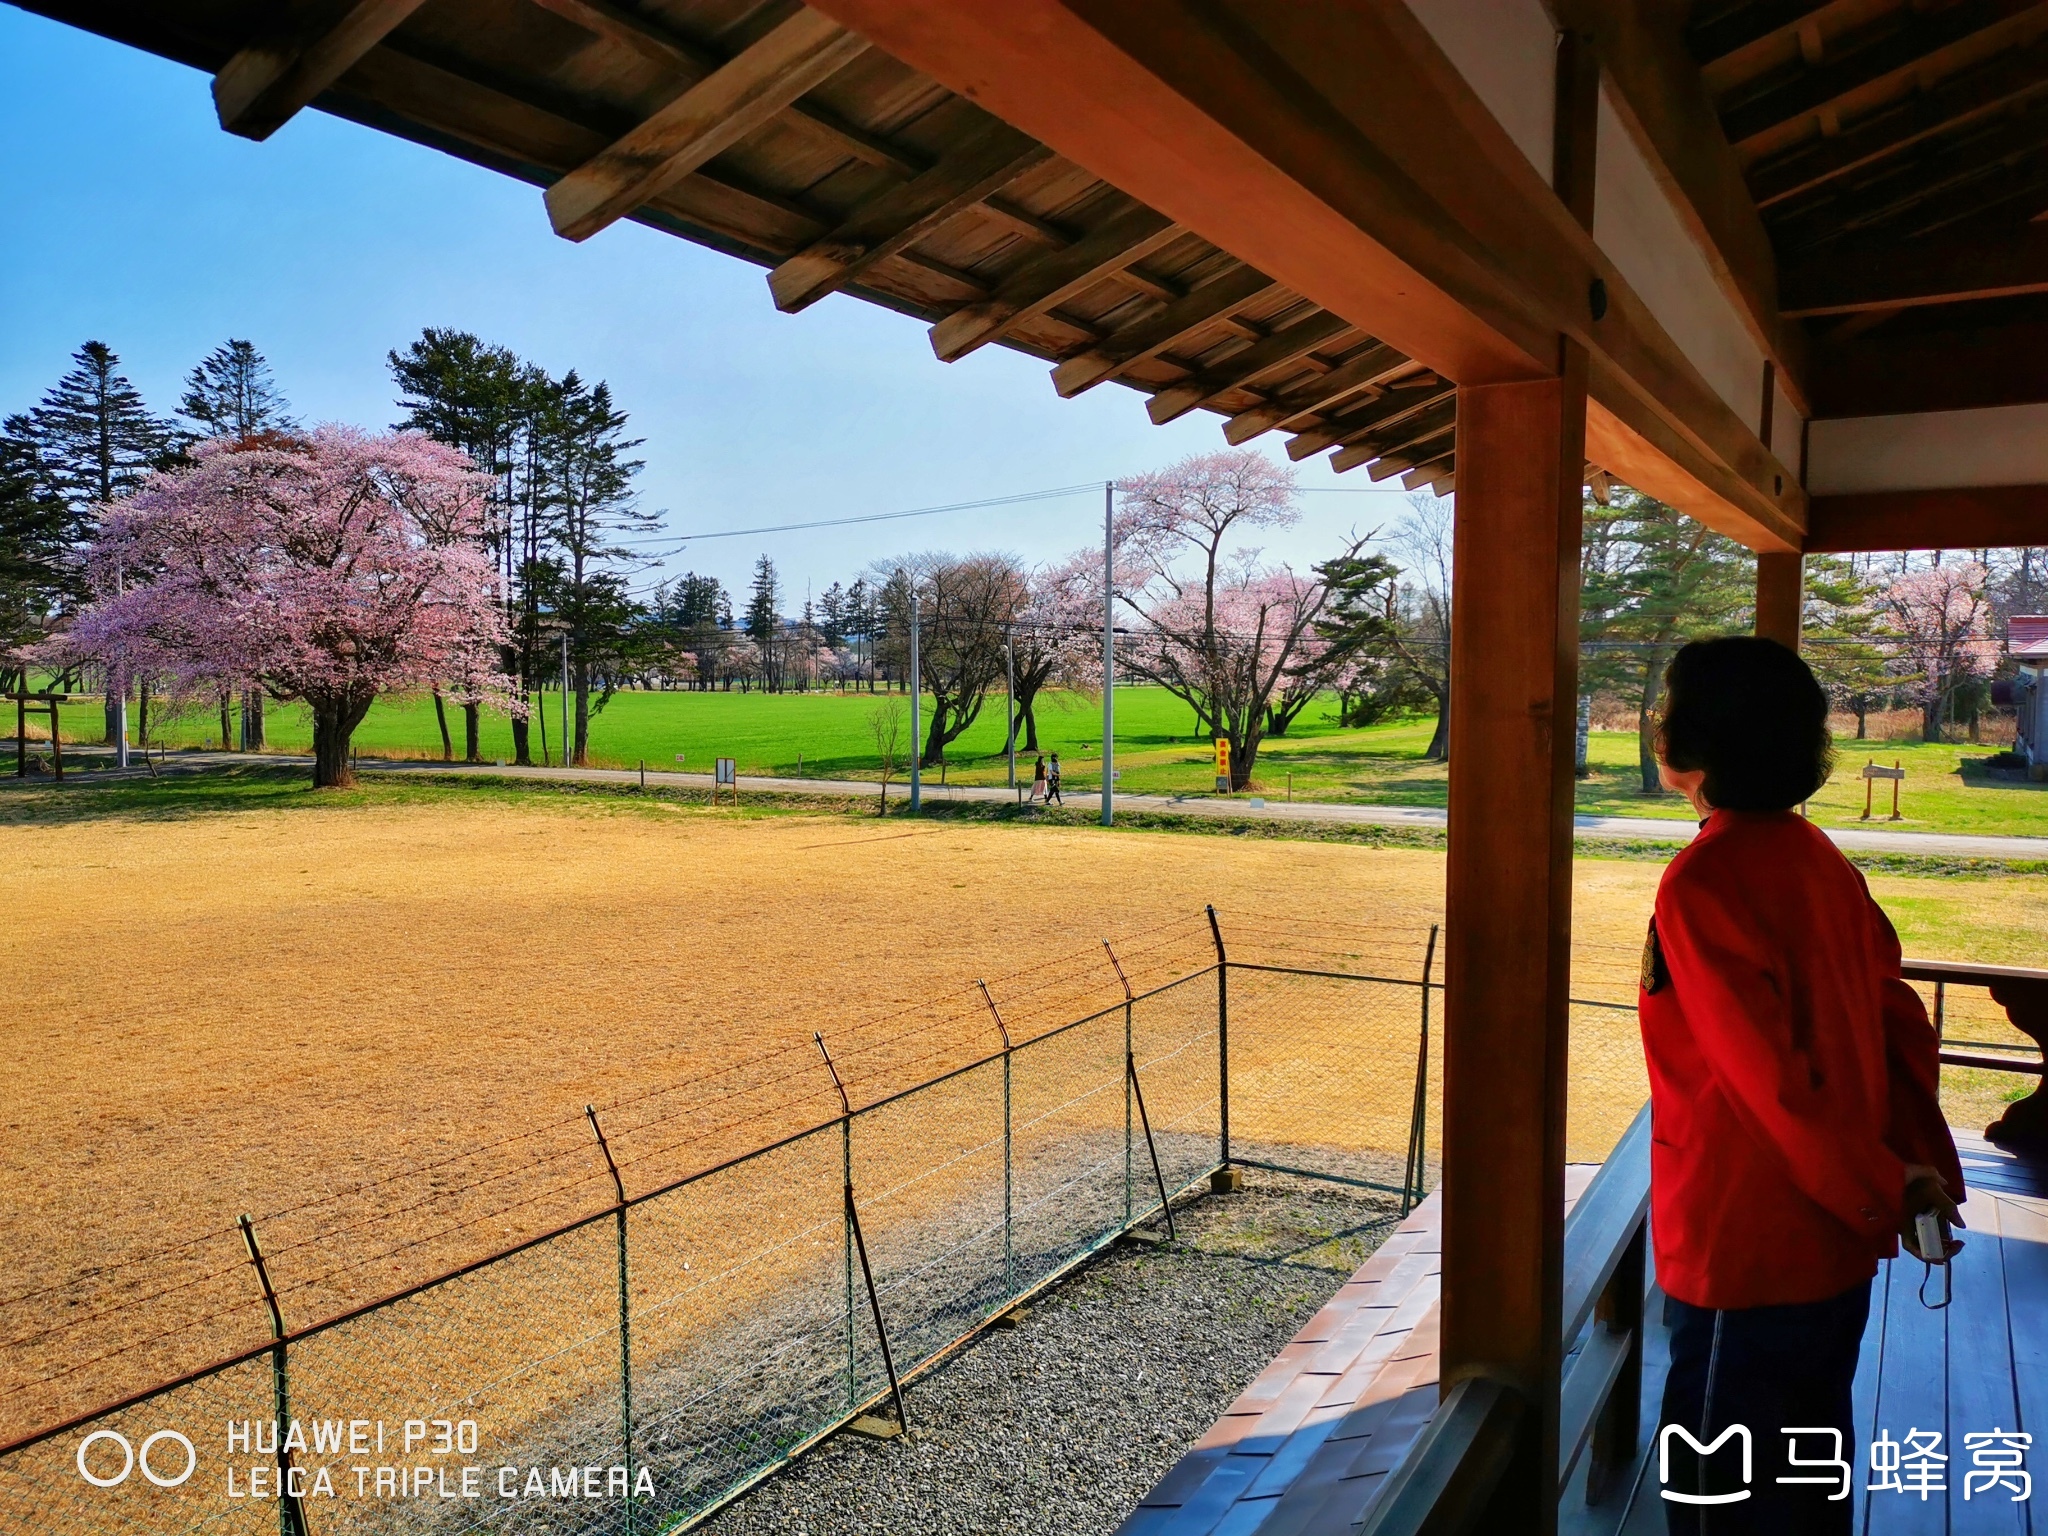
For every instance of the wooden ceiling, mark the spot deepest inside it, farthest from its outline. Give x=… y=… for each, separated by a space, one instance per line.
x=1897 y=151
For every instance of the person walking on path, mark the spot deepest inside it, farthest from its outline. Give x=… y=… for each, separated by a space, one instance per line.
x=1795 y=1128
x=1037 y=782
x=1052 y=782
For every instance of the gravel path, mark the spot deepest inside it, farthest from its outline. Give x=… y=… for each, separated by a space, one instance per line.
x=1060 y=1425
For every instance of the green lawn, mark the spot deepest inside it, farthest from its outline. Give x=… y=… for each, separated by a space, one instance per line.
x=1156 y=754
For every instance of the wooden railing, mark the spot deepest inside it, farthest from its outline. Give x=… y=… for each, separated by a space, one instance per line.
x=2023 y=994
x=1442 y=1486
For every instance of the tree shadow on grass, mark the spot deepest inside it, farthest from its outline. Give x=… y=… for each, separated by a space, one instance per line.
x=176 y=794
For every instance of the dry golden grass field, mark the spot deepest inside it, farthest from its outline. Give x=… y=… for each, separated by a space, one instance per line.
x=375 y=1023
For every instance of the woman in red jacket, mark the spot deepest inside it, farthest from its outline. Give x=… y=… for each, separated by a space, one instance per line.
x=1793 y=1075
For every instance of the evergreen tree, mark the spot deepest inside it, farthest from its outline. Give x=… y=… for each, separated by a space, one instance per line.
x=94 y=441
x=764 y=619
x=832 y=615
x=1652 y=579
x=39 y=575
x=462 y=391
x=230 y=393
x=587 y=498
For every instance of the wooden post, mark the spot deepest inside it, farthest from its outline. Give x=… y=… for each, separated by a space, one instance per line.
x=1780 y=597
x=1507 y=940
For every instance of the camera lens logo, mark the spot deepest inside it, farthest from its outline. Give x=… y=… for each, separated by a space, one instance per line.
x=131 y=1458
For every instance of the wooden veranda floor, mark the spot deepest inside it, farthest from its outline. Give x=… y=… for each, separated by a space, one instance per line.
x=1305 y=1448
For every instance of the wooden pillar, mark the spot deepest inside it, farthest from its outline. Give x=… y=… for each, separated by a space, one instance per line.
x=1780 y=597
x=1507 y=937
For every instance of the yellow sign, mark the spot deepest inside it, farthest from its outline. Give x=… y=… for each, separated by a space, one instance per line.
x=1222 y=757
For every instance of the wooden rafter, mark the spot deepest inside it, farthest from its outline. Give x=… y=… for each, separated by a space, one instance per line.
x=1412 y=430
x=1172 y=326
x=1053 y=277
x=691 y=61
x=709 y=117
x=1922 y=46
x=1904 y=200
x=989 y=156
x=1241 y=368
x=1953 y=104
x=1369 y=419
x=259 y=89
x=1372 y=366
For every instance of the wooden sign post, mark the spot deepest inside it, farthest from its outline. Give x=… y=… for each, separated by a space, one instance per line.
x=1222 y=765
x=1871 y=774
x=726 y=777
x=25 y=704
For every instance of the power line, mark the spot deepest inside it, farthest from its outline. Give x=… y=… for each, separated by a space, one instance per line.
x=681 y=540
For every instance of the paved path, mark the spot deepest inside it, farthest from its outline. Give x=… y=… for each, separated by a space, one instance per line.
x=1648 y=828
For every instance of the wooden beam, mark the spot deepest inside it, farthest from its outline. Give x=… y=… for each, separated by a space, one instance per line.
x=709 y=117
x=1052 y=278
x=1371 y=367
x=989 y=156
x=1937 y=269
x=1962 y=517
x=1507 y=933
x=1333 y=146
x=1950 y=368
x=1427 y=436
x=1780 y=597
x=1656 y=90
x=1285 y=346
x=1371 y=419
x=1926 y=45
x=1954 y=103
x=1182 y=318
x=691 y=61
x=259 y=89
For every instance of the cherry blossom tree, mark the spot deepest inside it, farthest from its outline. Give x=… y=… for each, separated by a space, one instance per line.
x=1942 y=616
x=331 y=569
x=1230 y=635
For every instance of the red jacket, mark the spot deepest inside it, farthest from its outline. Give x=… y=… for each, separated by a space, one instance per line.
x=1793 y=1074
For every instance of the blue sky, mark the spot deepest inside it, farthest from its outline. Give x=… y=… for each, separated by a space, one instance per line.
x=134 y=220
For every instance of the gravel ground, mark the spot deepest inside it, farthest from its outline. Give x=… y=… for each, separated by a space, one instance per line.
x=1060 y=1425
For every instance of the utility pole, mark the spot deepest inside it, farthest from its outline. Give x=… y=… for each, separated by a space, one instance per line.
x=1108 y=656
x=565 y=699
x=916 y=732
x=1010 y=704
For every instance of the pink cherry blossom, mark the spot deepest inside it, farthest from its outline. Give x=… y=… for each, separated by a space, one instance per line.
x=331 y=569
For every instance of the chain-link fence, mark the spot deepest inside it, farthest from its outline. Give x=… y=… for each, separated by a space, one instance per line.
x=703 y=1312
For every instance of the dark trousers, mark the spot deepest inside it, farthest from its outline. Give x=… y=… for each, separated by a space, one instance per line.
x=1769 y=1369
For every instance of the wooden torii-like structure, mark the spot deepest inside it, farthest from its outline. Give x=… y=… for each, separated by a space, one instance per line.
x=1772 y=261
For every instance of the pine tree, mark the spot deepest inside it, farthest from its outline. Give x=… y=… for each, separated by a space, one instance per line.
x=587 y=497
x=462 y=391
x=94 y=441
x=38 y=575
x=230 y=393
x=764 y=617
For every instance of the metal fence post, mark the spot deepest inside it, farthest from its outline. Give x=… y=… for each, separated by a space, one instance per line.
x=291 y=1512
x=1133 y=1089
x=625 y=1315
x=1127 y=1081
x=1009 y=1240
x=1418 y=1115
x=1222 y=1041
x=860 y=1245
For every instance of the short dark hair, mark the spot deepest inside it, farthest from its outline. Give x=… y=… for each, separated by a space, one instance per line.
x=1751 y=713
